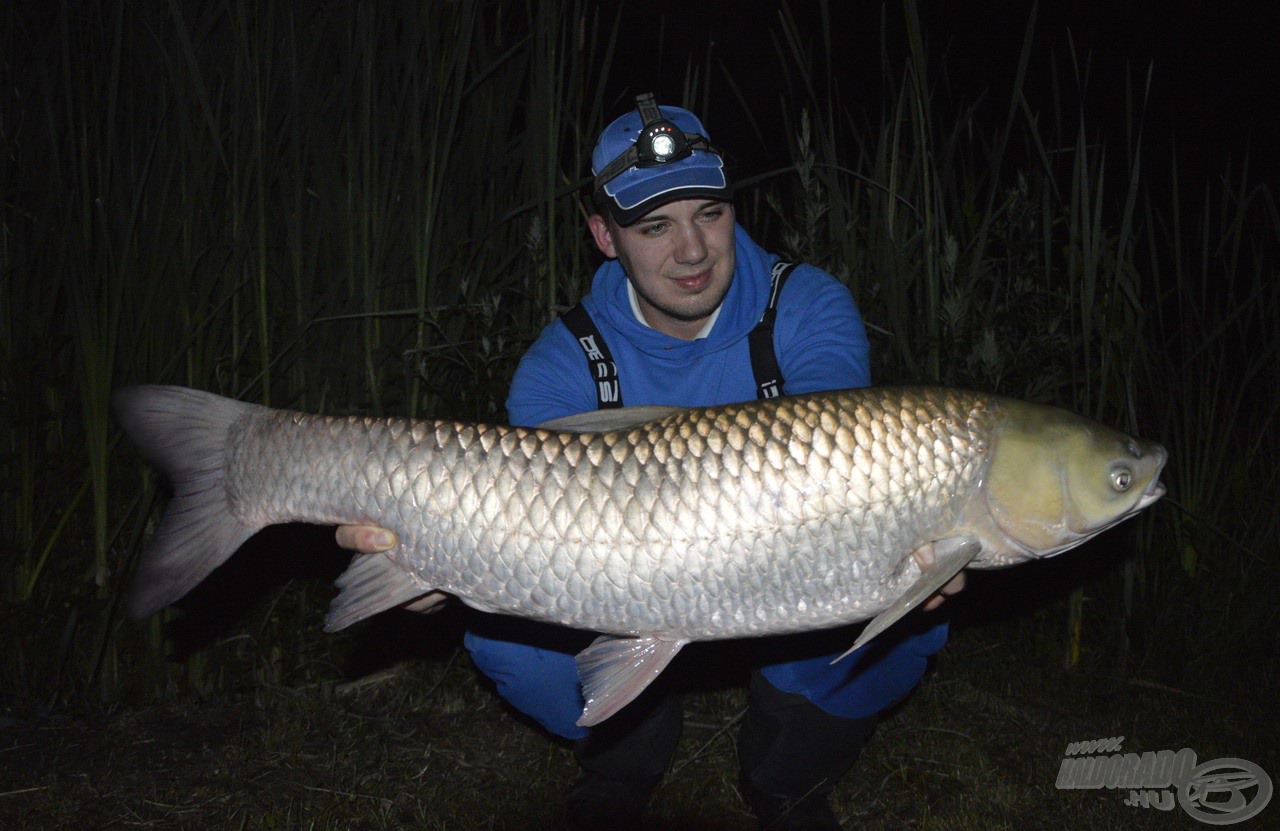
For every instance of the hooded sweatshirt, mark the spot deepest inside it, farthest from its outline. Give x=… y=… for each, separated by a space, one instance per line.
x=819 y=340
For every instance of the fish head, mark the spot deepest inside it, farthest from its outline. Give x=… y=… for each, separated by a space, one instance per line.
x=1054 y=479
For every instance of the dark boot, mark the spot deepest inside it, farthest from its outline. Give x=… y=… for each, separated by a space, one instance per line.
x=793 y=753
x=622 y=762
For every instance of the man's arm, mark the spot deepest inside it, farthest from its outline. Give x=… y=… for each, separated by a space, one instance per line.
x=552 y=381
x=819 y=336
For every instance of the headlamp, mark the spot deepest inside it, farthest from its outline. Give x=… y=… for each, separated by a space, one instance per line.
x=660 y=142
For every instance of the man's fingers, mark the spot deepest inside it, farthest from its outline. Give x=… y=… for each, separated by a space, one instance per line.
x=429 y=602
x=366 y=539
x=953 y=585
x=925 y=556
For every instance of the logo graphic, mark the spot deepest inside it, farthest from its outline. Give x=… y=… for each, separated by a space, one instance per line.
x=1219 y=792
x=1215 y=793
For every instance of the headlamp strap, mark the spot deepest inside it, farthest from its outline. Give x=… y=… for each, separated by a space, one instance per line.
x=648 y=109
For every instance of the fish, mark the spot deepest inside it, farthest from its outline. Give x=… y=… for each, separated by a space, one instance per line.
x=652 y=526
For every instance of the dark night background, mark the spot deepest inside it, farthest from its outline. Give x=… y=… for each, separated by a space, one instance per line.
x=1215 y=82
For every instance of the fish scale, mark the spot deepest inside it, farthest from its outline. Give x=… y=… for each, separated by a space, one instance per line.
x=764 y=517
x=469 y=502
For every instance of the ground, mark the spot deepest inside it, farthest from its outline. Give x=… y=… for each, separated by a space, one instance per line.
x=424 y=744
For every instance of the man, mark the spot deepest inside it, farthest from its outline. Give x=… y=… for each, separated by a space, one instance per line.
x=670 y=320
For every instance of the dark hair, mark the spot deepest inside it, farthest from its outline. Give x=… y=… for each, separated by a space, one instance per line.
x=600 y=202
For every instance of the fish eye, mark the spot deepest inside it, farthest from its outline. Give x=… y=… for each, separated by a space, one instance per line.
x=1121 y=479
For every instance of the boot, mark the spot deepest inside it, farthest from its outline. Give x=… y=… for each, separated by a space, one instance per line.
x=792 y=754
x=622 y=762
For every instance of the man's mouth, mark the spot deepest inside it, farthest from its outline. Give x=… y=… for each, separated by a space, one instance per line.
x=696 y=282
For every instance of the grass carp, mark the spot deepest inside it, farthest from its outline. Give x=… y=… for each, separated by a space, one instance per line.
x=655 y=526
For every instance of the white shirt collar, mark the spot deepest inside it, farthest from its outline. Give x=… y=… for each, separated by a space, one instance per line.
x=635 y=310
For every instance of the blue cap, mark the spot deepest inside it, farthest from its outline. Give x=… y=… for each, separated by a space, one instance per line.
x=640 y=189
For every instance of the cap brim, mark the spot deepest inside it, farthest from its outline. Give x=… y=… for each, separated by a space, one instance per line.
x=638 y=191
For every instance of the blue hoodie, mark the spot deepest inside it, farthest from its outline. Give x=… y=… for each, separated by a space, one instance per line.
x=819 y=340
x=821 y=344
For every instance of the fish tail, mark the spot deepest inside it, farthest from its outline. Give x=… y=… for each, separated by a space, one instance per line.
x=183 y=432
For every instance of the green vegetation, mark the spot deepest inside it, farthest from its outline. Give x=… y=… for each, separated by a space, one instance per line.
x=375 y=209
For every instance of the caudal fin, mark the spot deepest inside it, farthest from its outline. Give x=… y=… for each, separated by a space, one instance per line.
x=183 y=432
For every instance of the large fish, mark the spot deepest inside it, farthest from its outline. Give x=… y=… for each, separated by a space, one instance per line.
x=655 y=526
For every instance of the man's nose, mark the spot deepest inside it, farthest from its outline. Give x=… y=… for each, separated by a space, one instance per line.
x=692 y=246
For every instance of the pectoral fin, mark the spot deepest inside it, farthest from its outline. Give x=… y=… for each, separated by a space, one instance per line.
x=616 y=670
x=950 y=557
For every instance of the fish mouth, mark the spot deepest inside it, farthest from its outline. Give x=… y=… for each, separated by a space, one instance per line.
x=1153 y=492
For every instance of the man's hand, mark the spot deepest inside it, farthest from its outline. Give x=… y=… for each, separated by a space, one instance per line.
x=924 y=558
x=365 y=539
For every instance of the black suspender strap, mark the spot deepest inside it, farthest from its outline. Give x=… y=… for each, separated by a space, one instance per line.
x=764 y=360
x=599 y=359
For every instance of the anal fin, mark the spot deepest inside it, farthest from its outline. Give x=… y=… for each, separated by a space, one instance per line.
x=615 y=670
x=950 y=557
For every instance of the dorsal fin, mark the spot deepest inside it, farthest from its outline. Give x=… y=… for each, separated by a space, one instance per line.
x=609 y=421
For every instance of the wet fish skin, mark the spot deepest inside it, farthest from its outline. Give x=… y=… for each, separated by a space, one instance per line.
x=757 y=518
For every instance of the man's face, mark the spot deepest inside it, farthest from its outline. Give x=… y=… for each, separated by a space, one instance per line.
x=679 y=257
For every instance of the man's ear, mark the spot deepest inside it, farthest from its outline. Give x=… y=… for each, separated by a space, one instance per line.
x=603 y=236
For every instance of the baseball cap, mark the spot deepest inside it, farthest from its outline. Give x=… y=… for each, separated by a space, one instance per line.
x=649 y=182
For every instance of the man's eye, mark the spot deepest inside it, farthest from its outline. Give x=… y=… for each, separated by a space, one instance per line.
x=653 y=230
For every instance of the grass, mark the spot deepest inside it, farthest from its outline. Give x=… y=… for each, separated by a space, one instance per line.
x=424 y=745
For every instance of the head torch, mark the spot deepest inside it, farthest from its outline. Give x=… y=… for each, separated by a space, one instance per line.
x=660 y=142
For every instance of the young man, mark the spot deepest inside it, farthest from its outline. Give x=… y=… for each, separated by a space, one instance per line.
x=670 y=320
